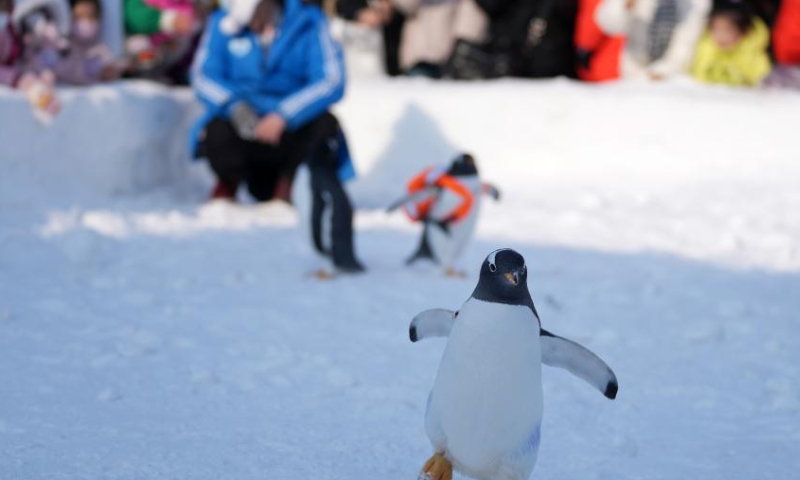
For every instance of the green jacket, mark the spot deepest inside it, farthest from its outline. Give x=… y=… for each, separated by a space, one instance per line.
x=140 y=18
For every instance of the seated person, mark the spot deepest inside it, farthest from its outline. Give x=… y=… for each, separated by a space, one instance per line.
x=267 y=89
x=660 y=35
x=733 y=50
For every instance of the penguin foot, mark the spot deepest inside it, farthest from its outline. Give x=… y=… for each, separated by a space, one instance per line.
x=322 y=274
x=453 y=273
x=437 y=468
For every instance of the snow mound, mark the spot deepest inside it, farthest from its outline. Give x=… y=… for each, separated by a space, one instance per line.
x=121 y=138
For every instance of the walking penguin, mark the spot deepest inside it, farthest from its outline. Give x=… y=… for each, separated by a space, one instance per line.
x=447 y=201
x=484 y=412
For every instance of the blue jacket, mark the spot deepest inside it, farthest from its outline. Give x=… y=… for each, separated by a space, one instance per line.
x=299 y=76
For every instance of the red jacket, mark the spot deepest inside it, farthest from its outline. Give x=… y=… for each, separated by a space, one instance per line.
x=786 y=33
x=604 y=51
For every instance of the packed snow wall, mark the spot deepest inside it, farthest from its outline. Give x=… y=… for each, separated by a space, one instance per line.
x=114 y=139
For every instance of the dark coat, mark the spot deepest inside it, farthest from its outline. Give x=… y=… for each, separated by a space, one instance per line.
x=536 y=36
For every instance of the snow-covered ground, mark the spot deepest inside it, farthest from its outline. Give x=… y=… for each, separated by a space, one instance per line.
x=147 y=335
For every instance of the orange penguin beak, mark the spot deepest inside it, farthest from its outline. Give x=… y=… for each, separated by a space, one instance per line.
x=512 y=278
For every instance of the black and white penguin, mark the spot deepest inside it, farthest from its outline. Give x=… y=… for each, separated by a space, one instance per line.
x=484 y=413
x=447 y=201
x=325 y=210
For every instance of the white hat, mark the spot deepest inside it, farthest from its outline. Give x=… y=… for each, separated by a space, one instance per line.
x=239 y=14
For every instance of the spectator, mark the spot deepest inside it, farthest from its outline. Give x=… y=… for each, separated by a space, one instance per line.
x=786 y=33
x=266 y=114
x=43 y=25
x=160 y=37
x=733 y=51
x=786 y=47
x=431 y=30
x=9 y=46
x=263 y=119
x=598 y=54
x=378 y=14
x=87 y=60
x=660 y=35
x=532 y=38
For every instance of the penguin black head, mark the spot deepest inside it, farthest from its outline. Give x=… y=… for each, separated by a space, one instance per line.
x=504 y=279
x=463 y=165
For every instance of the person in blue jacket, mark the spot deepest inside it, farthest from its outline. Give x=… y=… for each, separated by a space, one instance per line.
x=267 y=90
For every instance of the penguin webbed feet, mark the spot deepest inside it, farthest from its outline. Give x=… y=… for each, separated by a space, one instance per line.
x=453 y=273
x=437 y=468
x=322 y=274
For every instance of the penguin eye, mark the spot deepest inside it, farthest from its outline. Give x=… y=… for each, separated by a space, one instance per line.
x=492 y=267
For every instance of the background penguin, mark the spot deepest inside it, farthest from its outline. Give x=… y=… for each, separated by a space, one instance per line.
x=324 y=207
x=447 y=201
x=484 y=412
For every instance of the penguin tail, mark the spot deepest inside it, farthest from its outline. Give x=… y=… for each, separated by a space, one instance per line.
x=424 y=251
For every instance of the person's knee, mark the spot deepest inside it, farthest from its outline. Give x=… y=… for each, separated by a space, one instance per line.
x=327 y=126
x=219 y=133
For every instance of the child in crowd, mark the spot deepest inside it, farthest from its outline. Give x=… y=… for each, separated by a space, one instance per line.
x=160 y=34
x=43 y=26
x=733 y=50
x=87 y=60
x=9 y=46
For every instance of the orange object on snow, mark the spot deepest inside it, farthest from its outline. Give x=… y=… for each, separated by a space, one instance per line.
x=433 y=177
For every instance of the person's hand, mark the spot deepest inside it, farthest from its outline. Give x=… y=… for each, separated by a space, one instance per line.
x=271 y=128
x=630 y=4
x=656 y=76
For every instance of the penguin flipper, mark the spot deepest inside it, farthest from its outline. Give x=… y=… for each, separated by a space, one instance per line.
x=491 y=190
x=580 y=361
x=412 y=198
x=435 y=322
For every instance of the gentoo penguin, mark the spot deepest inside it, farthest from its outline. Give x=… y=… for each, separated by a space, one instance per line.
x=447 y=201
x=484 y=413
x=324 y=207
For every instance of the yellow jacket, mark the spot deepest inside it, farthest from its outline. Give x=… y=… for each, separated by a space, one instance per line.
x=747 y=64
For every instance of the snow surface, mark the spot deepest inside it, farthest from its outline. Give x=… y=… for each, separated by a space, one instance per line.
x=145 y=334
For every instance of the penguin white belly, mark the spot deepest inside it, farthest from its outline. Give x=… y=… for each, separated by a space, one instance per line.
x=446 y=247
x=302 y=194
x=301 y=199
x=486 y=403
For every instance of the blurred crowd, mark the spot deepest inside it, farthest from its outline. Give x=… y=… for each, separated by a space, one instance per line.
x=736 y=42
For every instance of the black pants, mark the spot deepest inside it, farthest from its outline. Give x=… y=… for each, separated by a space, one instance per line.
x=259 y=165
